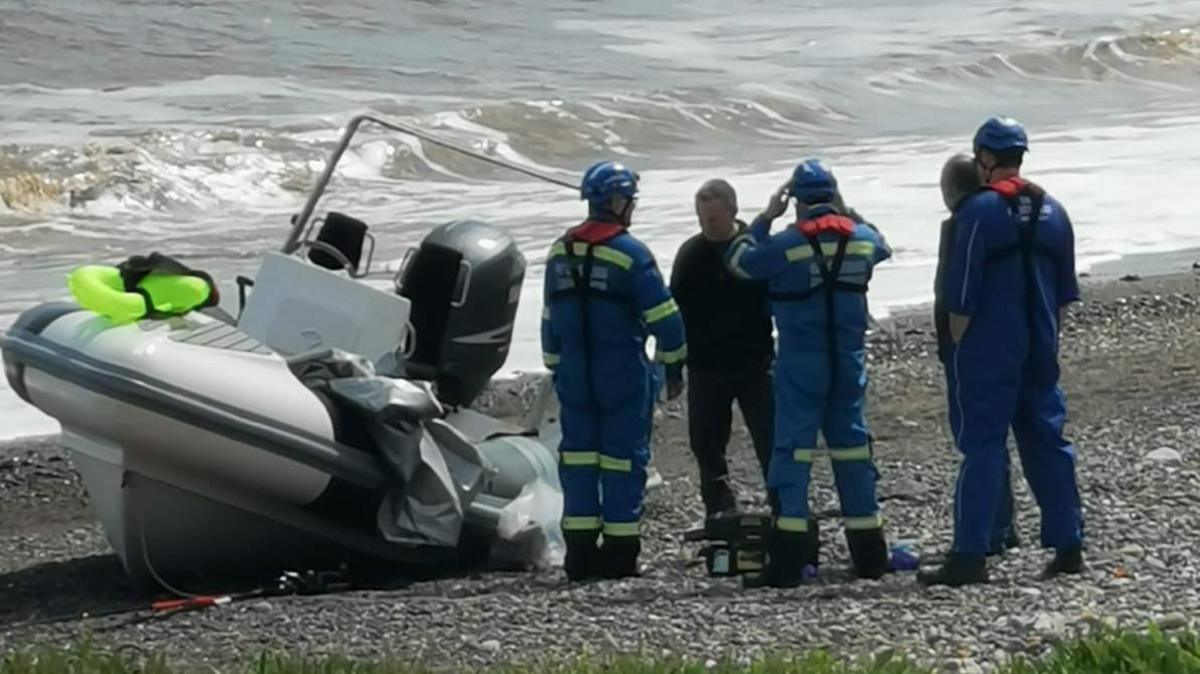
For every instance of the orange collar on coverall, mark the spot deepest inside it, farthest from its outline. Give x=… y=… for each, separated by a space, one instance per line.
x=593 y=231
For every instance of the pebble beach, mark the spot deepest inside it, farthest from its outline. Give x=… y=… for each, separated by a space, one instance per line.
x=1131 y=363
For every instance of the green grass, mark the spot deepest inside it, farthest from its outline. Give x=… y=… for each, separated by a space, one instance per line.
x=1152 y=652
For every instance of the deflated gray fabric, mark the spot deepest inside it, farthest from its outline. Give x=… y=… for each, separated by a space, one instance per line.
x=437 y=471
x=424 y=507
x=504 y=489
x=467 y=465
x=395 y=402
x=317 y=367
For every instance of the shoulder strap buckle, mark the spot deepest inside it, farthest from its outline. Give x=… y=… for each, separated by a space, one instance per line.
x=829 y=271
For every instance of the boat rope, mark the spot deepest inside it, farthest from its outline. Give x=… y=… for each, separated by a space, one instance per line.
x=434 y=140
x=150 y=567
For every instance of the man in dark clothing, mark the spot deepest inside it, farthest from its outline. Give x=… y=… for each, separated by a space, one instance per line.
x=730 y=347
x=960 y=180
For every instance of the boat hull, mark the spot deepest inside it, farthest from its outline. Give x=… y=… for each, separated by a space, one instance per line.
x=206 y=459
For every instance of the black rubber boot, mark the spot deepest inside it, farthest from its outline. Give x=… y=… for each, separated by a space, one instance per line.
x=812 y=552
x=1066 y=561
x=788 y=552
x=619 y=557
x=868 y=552
x=956 y=571
x=583 y=557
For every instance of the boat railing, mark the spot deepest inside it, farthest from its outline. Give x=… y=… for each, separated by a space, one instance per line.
x=301 y=221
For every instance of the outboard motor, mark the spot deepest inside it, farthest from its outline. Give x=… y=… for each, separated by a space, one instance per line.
x=464 y=283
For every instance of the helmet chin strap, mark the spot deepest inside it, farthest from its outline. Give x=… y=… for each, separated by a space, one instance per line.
x=609 y=214
x=988 y=170
x=626 y=210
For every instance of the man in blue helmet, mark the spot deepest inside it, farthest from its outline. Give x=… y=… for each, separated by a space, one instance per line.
x=1009 y=276
x=604 y=295
x=818 y=270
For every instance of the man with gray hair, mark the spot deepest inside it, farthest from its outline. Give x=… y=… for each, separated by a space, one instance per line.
x=730 y=347
x=960 y=179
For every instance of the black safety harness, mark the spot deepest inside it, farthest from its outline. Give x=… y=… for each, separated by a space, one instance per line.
x=581 y=289
x=1026 y=246
x=830 y=285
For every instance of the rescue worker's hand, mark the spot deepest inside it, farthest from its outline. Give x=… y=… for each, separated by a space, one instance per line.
x=778 y=203
x=674 y=389
x=958 y=327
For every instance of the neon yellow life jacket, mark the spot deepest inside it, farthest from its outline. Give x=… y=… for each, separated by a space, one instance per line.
x=153 y=286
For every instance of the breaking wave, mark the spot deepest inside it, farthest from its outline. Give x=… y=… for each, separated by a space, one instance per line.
x=1165 y=58
x=260 y=142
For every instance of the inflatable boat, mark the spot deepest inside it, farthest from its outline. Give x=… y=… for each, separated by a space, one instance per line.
x=327 y=424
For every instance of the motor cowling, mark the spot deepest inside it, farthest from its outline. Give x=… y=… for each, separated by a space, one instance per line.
x=464 y=282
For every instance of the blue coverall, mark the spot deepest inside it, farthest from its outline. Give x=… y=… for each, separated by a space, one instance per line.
x=820 y=373
x=1003 y=529
x=604 y=295
x=1010 y=274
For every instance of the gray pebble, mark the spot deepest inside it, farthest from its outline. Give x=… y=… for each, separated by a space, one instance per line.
x=962 y=666
x=1173 y=621
x=1133 y=550
x=1164 y=455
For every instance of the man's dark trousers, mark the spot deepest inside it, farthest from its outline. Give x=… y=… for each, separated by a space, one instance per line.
x=711 y=395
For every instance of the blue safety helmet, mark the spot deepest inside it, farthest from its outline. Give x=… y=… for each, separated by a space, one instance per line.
x=1001 y=134
x=813 y=183
x=608 y=179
